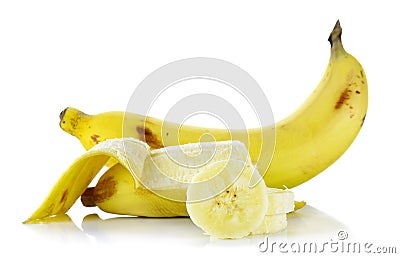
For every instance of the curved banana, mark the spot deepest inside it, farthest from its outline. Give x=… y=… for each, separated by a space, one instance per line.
x=307 y=141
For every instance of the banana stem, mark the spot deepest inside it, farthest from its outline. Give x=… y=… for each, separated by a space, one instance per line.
x=335 y=39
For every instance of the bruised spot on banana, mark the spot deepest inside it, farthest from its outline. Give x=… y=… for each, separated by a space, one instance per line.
x=146 y=135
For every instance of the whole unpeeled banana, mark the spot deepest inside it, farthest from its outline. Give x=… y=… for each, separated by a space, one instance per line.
x=307 y=141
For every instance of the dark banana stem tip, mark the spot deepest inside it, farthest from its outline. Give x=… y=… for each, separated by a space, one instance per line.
x=335 y=34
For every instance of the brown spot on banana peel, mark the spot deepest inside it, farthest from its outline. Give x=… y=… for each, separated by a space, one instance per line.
x=146 y=135
x=104 y=189
x=64 y=197
x=344 y=96
x=95 y=138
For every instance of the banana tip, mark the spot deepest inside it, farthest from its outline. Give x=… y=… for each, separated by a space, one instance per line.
x=335 y=34
x=87 y=198
x=28 y=221
x=62 y=113
x=337 y=25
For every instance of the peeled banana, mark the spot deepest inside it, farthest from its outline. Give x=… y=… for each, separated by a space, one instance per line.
x=307 y=141
x=115 y=192
x=238 y=187
x=157 y=177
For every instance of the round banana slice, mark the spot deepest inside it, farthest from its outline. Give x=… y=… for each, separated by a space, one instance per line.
x=233 y=199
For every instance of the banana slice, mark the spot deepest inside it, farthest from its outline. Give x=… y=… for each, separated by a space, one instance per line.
x=233 y=203
x=279 y=201
x=271 y=224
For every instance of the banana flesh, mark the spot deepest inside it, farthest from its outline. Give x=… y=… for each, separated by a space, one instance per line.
x=280 y=202
x=241 y=209
x=271 y=224
x=236 y=210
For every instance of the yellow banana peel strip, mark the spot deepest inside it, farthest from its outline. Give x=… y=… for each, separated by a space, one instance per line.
x=131 y=153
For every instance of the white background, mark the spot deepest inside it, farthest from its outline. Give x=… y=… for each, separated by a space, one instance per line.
x=91 y=55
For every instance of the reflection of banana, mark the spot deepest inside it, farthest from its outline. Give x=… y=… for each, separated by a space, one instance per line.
x=60 y=229
x=307 y=142
x=151 y=232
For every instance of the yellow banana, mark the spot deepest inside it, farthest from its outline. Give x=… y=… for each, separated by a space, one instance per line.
x=307 y=141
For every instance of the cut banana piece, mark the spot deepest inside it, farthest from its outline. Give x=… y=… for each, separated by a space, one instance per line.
x=271 y=224
x=279 y=201
x=230 y=207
